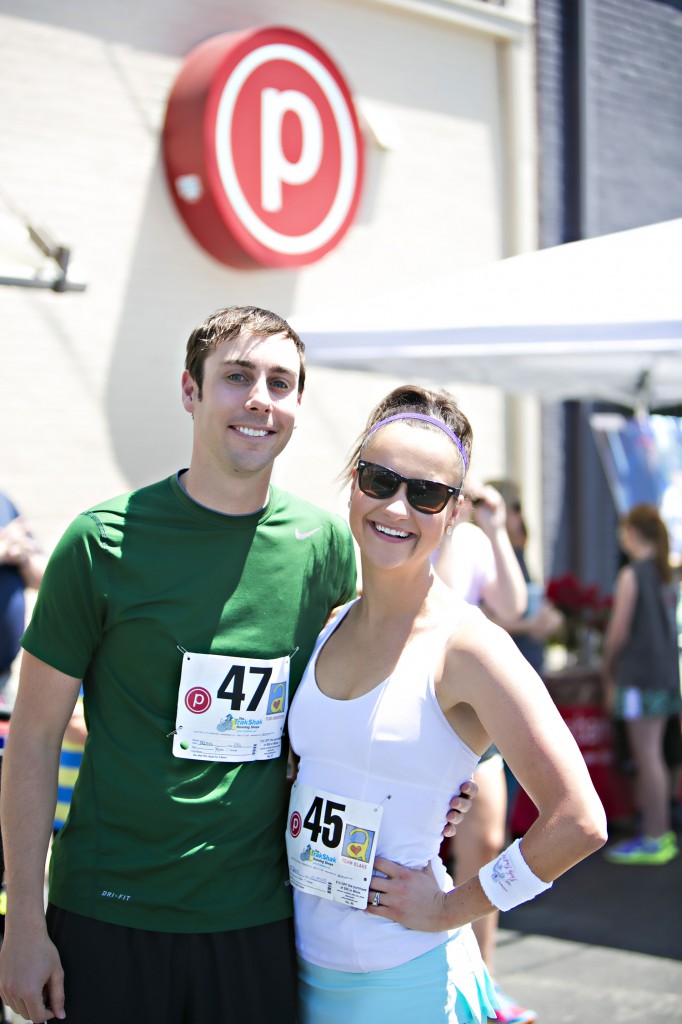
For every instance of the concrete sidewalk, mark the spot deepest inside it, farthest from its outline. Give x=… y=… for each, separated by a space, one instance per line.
x=603 y=945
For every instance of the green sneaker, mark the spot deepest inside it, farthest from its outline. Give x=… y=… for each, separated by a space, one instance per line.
x=644 y=850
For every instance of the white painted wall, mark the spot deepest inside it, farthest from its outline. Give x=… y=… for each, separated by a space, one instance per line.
x=89 y=383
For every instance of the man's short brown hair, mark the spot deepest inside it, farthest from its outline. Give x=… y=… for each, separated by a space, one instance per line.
x=226 y=324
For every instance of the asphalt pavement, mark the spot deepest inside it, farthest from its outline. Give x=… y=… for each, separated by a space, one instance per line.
x=604 y=944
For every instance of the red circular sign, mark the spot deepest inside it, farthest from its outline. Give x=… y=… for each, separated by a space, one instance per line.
x=262 y=148
x=197 y=700
x=295 y=824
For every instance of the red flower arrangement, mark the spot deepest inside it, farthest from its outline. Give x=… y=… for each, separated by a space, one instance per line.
x=584 y=606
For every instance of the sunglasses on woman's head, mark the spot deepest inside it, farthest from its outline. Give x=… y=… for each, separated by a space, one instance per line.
x=424 y=495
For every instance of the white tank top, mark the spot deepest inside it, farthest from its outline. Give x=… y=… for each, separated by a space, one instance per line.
x=471 y=553
x=393 y=745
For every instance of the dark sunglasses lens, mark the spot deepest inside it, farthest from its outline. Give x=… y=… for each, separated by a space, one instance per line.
x=427 y=496
x=376 y=481
x=424 y=495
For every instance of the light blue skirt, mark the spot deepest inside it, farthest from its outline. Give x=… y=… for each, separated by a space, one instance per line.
x=448 y=985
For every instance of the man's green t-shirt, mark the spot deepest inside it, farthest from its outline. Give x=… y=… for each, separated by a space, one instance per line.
x=155 y=841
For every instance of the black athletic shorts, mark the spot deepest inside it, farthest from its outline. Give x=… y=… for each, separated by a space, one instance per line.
x=115 y=975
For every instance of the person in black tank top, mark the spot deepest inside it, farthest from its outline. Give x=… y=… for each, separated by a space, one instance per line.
x=642 y=677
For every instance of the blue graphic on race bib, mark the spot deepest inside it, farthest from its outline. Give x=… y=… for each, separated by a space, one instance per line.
x=357 y=843
x=276 y=699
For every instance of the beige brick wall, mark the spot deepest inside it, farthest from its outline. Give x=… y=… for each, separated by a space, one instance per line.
x=89 y=383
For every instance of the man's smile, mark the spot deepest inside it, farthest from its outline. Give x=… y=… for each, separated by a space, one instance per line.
x=253 y=431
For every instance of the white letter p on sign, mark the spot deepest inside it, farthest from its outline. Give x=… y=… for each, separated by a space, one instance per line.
x=275 y=167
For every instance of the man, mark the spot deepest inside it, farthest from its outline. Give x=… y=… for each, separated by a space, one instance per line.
x=188 y=609
x=164 y=856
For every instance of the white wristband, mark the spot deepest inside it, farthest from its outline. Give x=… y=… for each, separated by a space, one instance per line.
x=508 y=881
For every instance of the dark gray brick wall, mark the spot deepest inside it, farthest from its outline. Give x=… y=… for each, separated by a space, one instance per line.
x=633 y=95
x=634 y=83
x=632 y=175
x=550 y=120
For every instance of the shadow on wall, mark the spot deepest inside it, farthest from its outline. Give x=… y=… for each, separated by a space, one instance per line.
x=172 y=286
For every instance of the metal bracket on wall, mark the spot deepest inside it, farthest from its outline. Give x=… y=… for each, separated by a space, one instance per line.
x=61 y=257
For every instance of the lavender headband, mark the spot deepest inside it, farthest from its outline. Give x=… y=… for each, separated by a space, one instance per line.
x=426 y=419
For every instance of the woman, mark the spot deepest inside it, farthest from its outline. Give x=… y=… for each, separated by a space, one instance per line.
x=642 y=677
x=406 y=688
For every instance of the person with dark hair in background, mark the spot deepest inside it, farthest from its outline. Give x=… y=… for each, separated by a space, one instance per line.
x=479 y=564
x=22 y=564
x=541 y=619
x=641 y=676
x=484 y=562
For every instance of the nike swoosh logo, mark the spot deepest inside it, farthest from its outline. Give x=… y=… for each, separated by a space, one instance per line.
x=304 y=536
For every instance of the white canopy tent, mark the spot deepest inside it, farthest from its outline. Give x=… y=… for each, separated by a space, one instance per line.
x=595 y=319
